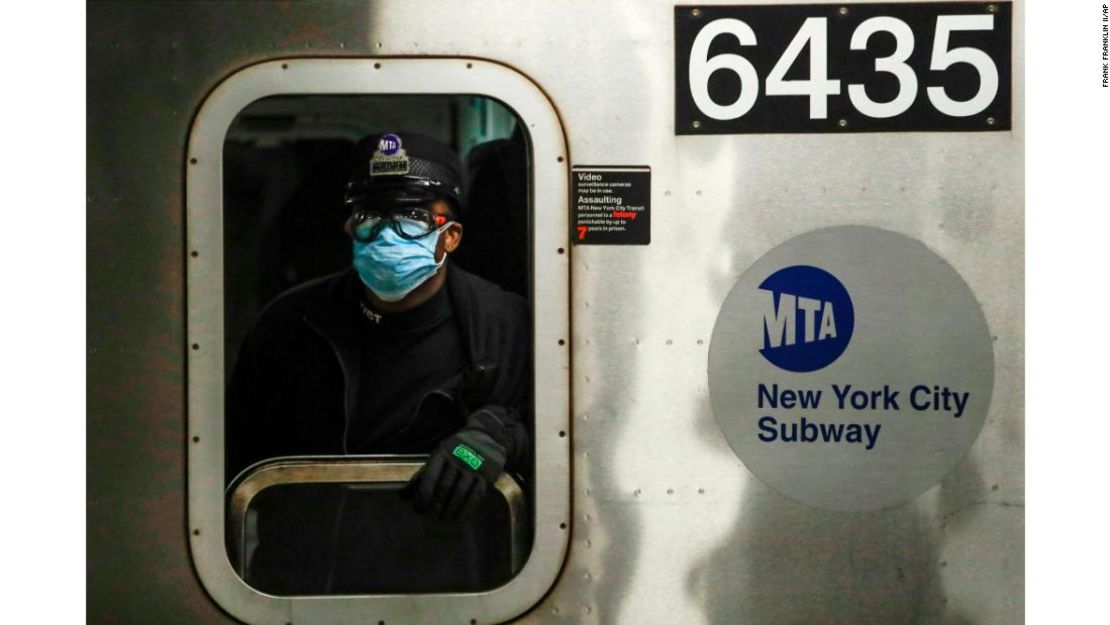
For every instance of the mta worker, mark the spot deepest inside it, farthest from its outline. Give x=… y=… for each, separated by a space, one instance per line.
x=401 y=353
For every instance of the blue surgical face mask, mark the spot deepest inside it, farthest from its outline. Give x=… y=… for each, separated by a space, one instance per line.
x=392 y=266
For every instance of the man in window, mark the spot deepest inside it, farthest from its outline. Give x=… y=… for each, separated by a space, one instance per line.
x=401 y=353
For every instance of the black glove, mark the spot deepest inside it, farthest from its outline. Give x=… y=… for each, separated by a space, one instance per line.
x=460 y=471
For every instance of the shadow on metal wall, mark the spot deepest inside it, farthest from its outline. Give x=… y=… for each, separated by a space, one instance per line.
x=785 y=563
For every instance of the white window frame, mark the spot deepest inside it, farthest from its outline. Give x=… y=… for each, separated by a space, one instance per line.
x=205 y=328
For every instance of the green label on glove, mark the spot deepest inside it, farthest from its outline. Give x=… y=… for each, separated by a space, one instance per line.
x=467 y=455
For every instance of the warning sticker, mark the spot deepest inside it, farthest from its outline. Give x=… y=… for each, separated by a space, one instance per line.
x=612 y=205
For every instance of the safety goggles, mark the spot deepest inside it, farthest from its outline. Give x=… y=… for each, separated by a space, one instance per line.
x=408 y=223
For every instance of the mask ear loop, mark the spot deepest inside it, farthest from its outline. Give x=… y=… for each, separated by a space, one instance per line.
x=440 y=231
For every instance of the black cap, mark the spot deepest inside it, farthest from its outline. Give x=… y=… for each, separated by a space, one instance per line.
x=405 y=169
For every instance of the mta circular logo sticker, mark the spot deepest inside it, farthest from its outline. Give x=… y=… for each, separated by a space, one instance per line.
x=807 y=318
x=850 y=368
x=389 y=144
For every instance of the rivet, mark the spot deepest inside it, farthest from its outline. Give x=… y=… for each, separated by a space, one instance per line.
x=468 y=66
x=194 y=253
x=990 y=121
x=192 y=161
x=696 y=124
x=196 y=439
x=196 y=346
x=562 y=434
x=561 y=251
x=843 y=10
x=196 y=532
x=842 y=123
x=562 y=342
x=378 y=65
x=992 y=8
x=696 y=12
x=560 y=159
x=562 y=526
x=284 y=66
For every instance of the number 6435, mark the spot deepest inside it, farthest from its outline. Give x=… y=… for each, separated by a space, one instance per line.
x=814 y=34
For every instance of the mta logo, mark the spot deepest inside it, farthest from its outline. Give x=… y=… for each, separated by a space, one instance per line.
x=807 y=318
x=781 y=323
x=389 y=144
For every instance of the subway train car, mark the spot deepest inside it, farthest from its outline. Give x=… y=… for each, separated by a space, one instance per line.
x=772 y=256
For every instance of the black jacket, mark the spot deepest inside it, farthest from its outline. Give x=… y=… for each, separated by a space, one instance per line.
x=296 y=380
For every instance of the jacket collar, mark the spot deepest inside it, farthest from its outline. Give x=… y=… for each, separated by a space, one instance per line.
x=337 y=316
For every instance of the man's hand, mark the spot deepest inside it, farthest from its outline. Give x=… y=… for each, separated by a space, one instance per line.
x=459 y=473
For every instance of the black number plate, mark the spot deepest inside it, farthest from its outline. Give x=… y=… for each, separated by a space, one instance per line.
x=938 y=66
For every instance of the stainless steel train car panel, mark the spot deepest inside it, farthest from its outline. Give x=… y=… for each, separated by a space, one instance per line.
x=667 y=524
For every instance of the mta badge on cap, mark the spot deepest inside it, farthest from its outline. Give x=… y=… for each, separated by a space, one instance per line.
x=405 y=169
x=390 y=159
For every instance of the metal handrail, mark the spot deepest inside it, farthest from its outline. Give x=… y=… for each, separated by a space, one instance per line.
x=354 y=470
